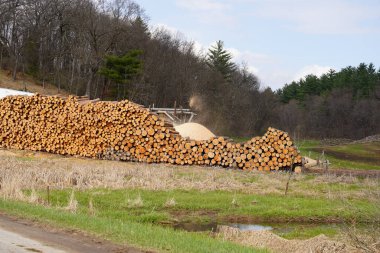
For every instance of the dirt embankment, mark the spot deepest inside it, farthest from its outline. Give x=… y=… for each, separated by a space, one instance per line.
x=27 y=83
x=277 y=244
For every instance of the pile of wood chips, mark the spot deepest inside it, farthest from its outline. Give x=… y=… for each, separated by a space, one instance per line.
x=127 y=131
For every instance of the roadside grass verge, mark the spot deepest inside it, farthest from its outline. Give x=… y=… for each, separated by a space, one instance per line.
x=160 y=196
x=222 y=206
x=59 y=173
x=114 y=215
x=141 y=235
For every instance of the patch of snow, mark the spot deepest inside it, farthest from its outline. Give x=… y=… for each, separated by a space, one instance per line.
x=8 y=92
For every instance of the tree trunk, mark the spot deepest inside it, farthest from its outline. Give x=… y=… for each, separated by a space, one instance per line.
x=14 y=75
x=107 y=83
x=89 y=84
x=59 y=82
x=96 y=87
x=40 y=57
x=72 y=75
x=1 y=57
x=23 y=73
x=77 y=86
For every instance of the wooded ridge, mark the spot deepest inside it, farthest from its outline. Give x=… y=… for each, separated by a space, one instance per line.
x=106 y=50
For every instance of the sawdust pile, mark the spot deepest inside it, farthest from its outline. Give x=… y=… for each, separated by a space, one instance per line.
x=194 y=131
x=266 y=239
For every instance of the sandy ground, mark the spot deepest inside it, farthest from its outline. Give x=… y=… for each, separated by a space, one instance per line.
x=21 y=236
x=277 y=244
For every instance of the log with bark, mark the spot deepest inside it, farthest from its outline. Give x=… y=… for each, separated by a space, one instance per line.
x=129 y=132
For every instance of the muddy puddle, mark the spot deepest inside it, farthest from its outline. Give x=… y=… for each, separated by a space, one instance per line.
x=250 y=227
x=195 y=227
x=282 y=229
x=212 y=226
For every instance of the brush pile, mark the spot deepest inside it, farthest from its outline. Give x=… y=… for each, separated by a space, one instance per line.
x=127 y=131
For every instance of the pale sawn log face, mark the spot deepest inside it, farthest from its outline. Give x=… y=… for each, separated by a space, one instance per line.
x=127 y=131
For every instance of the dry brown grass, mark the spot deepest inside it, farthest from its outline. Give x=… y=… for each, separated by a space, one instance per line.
x=170 y=202
x=136 y=202
x=21 y=170
x=7 y=82
x=72 y=205
x=25 y=170
x=91 y=208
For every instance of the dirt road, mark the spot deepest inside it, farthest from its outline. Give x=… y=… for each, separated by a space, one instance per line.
x=16 y=243
x=20 y=236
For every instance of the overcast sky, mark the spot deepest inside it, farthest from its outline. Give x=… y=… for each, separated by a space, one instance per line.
x=280 y=40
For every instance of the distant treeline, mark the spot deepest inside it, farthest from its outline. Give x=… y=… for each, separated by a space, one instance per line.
x=338 y=104
x=105 y=49
x=362 y=81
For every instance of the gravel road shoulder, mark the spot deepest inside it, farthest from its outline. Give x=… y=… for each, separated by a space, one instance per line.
x=22 y=236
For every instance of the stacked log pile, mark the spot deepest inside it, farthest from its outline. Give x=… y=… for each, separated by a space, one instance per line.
x=127 y=131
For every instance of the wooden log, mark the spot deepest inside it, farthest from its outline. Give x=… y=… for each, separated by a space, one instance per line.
x=127 y=131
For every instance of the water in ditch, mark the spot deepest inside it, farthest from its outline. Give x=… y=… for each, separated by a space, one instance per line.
x=212 y=226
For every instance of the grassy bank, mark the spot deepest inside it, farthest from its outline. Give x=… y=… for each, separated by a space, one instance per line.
x=143 y=218
x=27 y=82
x=142 y=235
x=157 y=207
x=138 y=204
x=363 y=156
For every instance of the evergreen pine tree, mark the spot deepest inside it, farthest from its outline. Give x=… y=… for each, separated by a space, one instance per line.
x=220 y=60
x=121 y=69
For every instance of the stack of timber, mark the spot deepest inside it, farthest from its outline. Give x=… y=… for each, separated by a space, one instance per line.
x=127 y=131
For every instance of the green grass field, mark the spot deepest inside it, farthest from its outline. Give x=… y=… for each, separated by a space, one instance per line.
x=147 y=206
x=365 y=156
x=144 y=218
x=141 y=235
x=141 y=205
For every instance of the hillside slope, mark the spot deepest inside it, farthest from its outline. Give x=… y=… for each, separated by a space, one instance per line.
x=26 y=81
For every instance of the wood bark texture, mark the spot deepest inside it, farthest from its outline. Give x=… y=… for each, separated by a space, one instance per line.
x=129 y=132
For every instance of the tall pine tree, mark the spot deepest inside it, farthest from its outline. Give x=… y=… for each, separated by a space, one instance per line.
x=121 y=69
x=220 y=60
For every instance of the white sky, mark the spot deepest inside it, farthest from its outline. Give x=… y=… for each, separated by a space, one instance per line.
x=279 y=40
